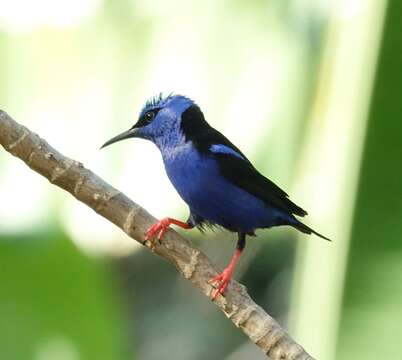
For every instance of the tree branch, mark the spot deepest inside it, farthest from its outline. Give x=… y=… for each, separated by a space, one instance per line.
x=113 y=205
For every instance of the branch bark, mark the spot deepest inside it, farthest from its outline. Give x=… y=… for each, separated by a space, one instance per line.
x=113 y=205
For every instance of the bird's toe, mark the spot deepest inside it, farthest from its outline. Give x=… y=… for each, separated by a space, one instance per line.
x=222 y=281
x=158 y=229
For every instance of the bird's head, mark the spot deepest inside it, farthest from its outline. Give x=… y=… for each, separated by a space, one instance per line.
x=159 y=121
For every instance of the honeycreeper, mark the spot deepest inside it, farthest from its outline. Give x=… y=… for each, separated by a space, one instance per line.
x=215 y=179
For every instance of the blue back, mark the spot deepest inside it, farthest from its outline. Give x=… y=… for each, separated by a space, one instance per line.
x=209 y=195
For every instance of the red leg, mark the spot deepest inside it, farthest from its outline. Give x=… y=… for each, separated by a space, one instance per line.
x=162 y=226
x=225 y=276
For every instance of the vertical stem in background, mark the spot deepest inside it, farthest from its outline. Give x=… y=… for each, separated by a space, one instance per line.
x=371 y=309
x=329 y=169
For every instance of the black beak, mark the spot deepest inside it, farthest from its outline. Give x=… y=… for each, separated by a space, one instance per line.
x=125 y=135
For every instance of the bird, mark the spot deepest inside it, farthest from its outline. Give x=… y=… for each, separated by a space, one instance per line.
x=214 y=178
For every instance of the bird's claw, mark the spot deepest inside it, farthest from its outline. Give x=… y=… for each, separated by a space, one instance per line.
x=222 y=281
x=159 y=229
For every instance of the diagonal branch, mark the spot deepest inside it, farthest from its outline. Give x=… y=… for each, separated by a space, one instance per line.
x=113 y=205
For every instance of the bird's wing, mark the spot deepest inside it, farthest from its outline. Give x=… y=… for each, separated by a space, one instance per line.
x=237 y=169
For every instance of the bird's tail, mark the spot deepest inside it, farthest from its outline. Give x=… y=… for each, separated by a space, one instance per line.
x=307 y=230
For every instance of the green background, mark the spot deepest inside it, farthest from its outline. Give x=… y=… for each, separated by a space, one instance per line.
x=269 y=74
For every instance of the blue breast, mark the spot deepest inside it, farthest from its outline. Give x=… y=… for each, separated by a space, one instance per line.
x=198 y=180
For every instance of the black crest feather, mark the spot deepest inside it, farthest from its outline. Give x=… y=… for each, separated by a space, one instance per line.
x=156 y=101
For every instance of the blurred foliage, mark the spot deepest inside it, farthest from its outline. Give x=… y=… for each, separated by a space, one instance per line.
x=372 y=316
x=55 y=302
x=253 y=66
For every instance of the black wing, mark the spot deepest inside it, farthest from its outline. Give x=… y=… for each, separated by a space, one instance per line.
x=242 y=173
x=234 y=165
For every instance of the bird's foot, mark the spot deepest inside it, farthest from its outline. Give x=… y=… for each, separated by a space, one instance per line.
x=159 y=228
x=222 y=280
x=225 y=276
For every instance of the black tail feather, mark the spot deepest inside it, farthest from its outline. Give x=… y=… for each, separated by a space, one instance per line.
x=307 y=230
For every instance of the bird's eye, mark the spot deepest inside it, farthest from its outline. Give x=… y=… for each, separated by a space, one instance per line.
x=149 y=116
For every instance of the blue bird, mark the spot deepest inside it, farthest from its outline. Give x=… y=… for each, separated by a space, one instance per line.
x=215 y=179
